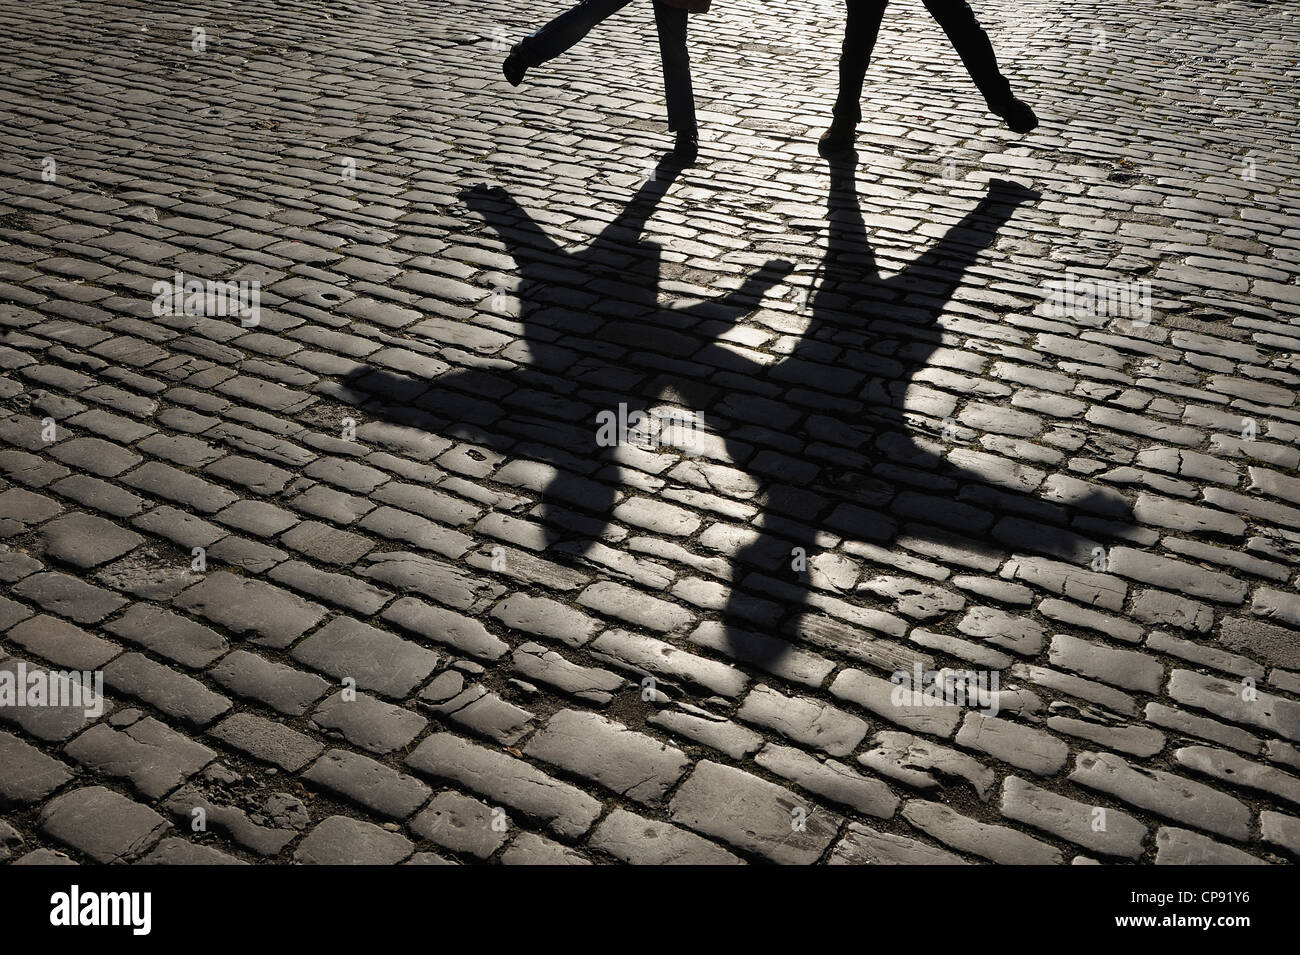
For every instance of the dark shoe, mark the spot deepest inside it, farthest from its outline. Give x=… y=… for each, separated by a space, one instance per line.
x=687 y=146
x=838 y=139
x=1016 y=114
x=514 y=67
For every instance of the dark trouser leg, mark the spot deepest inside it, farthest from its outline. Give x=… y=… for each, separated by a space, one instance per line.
x=671 y=25
x=566 y=30
x=973 y=46
x=861 y=27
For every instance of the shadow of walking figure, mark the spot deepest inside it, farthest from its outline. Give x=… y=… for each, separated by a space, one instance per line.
x=598 y=338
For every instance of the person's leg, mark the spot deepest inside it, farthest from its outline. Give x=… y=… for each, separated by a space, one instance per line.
x=976 y=51
x=670 y=23
x=561 y=33
x=861 y=27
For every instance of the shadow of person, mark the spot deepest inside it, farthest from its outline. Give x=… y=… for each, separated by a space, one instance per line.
x=601 y=347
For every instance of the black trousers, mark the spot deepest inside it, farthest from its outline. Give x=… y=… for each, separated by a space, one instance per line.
x=862 y=26
x=576 y=22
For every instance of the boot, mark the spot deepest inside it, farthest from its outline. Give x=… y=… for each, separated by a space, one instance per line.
x=839 y=138
x=1015 y=113
x=514 y=66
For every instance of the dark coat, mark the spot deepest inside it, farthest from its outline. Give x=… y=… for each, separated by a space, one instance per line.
x=692 y=6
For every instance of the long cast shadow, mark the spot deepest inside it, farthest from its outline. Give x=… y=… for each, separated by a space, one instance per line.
x=821 y=435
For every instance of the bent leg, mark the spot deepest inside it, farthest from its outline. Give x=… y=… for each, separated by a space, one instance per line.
x=565 y=30
x=973 y=46
x=670 y=22
x=861 y=27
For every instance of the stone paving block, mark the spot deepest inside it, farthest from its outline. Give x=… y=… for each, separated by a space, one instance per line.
x=175 y=851
x=641 y=841
x=864 y=846
x=267 y=740
x=243 y=606
x=285 y=689
x=504 y=779
x=806 y=721
x=104 y=825
x=829 y=778
x=376 y=660
x=879 y=696
x=445 y=627
x=61 y=643
x=995 y=843
x=632 y=764
x=1163 y=793
x=153 y=757
x=177 y=695
x=545 y=618
x=1097 y=828
x=753 y=814
x=29 y=775
x=367 y=722
x=372 y=784
x=1022 y=746
x=340 y=840
x=69 y=597
x=169 y=635
x=532 y=849
x=461 y=824
x=1226 y=699
x=86 y=541
x=535 y=662
x=924 y=765
x=648 y=656
x=234 y=822
x=701 y=726
x=1182 y=847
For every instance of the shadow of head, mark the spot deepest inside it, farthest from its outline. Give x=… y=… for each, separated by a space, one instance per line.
x=803 y=442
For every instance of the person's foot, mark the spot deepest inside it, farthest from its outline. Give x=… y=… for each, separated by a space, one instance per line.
x=514 y=67
x=838 y=139
x=1016 y=114
x=687 y=145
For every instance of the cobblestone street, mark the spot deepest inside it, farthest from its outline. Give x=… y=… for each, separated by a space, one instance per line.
x=554 y=503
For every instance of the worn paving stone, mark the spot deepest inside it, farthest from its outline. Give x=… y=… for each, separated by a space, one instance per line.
x=632 y=764
x=1096 y=828
x=29 y=774
x=1164 y=793
x=461 y=824
x=375 y=659
x=1183 y=847
x=372 y=784
x=813 y=724
x=179 y=696
x=153 y=757
x=995 y=843
x=864 y=846
x=367 y=722
x=104 y=825
x=753 y=814
x=565 y=809
x=242 y=606
x=267 y=740
x=641 y=841
x=340 y=840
